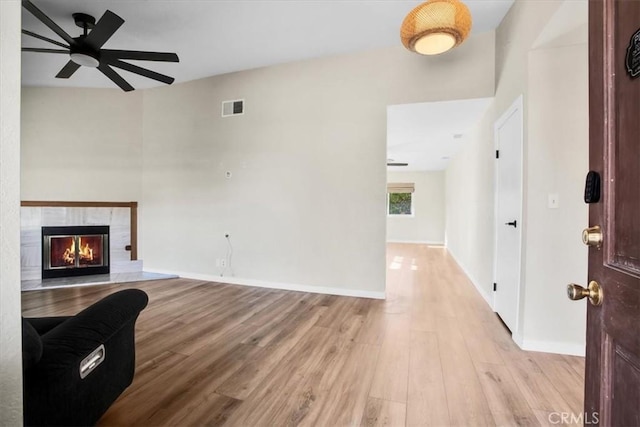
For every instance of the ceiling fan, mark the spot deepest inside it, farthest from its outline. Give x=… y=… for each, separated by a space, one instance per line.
x=392 y=162
x=86 y=49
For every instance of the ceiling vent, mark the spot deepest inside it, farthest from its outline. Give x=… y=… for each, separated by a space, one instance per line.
x=233 y=108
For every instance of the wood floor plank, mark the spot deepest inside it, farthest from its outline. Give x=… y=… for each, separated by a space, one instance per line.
x=507 y=404
x=479 y=343
x=392 y=372
x=163 y=397
x=462 y=385
x=272 y=326
x=564 y=378
x=426 y=396
x=275 y=401
x=146 y=371
x=344 y=404
x=383 y=413
x=373 y=328
x=211 y=410
x=244 y=382
x=536 y=387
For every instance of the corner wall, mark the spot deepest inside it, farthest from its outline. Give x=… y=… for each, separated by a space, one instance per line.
x=427 y=223
x=10 y=323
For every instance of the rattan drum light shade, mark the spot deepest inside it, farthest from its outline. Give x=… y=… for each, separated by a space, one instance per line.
x=436 y=26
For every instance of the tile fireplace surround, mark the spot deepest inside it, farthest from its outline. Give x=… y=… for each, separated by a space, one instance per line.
x=118 y=216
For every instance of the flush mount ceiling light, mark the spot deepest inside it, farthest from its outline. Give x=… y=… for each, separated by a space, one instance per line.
x=436 y=26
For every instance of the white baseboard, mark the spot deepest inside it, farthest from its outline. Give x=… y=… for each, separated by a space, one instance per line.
x=417 y=242
x=481 y=291
x=571 y=349
x=275 y=285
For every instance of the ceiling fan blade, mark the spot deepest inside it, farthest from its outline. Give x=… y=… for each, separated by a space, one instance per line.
x=38 y=49
x=104 y=29
x=47 y=21
x=139 y=55
x=38 y=36
x=115 y=77
x=141 y=71
x=68 y=70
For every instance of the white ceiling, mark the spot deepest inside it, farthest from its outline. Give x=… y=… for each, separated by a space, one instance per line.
x=427 y=135
x=219 y=36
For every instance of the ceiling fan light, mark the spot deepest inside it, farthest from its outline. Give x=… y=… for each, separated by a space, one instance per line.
x=84 y=60
x=436 y=26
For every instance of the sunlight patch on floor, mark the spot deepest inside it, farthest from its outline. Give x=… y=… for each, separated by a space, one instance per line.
x=396 y=264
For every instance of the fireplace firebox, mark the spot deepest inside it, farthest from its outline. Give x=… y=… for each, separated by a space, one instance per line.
x=75 y=251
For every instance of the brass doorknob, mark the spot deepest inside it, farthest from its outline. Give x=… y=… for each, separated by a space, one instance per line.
x=592 y=236
x=593 y=292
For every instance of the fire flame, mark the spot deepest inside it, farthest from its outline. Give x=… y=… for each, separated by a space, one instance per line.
x=85 y=253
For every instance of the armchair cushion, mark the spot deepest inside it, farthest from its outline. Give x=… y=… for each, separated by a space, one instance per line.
x=42 y=325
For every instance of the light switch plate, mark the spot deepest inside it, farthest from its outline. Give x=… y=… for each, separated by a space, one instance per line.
x=554 y=201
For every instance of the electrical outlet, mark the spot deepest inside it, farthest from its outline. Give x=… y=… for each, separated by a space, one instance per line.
x=223 y=263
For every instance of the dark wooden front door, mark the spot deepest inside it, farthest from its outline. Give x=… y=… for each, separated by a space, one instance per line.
x=612 y=395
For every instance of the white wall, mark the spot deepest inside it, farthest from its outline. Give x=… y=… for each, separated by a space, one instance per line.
x=554 y=84
x=81 y=144
x=10 y=326
x=469 y=205
x=427 y=223
x=557 y=162
x=305 y=205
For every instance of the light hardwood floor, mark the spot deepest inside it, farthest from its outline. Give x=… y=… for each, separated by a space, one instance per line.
x=433 y=353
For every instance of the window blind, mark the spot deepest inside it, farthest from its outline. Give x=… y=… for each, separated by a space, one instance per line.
x=400 y=187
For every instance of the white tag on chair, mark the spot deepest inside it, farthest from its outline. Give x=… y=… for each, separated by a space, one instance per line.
x=92 y=361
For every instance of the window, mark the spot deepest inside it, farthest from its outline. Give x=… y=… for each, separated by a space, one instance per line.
x=400 y=204
x=400 y=199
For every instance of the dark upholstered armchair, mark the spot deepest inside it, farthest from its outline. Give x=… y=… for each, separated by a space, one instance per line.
x=76 y=367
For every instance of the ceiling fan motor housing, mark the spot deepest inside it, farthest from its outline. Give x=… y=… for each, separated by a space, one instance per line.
x=85 y=21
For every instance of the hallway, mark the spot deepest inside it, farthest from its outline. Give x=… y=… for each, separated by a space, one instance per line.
x=456 y=345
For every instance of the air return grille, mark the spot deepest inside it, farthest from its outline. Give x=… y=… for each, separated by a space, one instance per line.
x=233 y=108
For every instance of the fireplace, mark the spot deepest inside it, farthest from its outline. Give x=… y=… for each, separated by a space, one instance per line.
x=75 y=251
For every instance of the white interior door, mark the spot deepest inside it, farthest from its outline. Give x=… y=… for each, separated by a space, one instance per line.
x=508 y=136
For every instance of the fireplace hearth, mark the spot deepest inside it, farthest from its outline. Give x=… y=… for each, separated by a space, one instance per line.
x=75 y=251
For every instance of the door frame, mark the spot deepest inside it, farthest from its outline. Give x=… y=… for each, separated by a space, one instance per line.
x=517 y=107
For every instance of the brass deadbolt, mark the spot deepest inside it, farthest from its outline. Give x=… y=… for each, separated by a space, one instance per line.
x=592 y=236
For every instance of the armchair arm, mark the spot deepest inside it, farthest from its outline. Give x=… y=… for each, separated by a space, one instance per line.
x=71 y=341
x=55 y=393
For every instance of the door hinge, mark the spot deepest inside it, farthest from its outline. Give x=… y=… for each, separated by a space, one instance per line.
x=495 y=287
x=497 y=154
